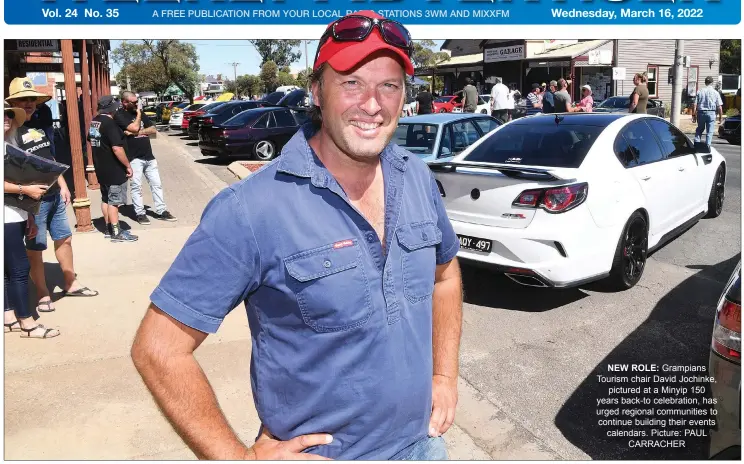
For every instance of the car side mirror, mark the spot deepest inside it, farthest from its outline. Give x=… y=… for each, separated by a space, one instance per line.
x=701 y=147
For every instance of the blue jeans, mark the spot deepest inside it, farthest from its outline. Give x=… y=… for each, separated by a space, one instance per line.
x=52 y=217
x=426 y=449
x=17 y=268
x=150 y=169
x=705 y=122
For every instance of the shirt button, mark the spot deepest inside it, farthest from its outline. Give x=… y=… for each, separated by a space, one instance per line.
x=370 y=237
x=424 y=236
x=327 y=263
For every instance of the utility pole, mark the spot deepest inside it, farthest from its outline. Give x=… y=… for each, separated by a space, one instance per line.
x=679 y=51
x=307 y=81
x=235 y=71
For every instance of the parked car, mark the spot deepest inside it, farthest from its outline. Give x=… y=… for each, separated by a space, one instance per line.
x=176 y=119
x=172 y=108
x=447 y=103
x=730 y=130
x=219 y=114
x=558 y=200
x=438 y=137
x=725 y=368
x=297 y=102
x=258 y=133
x=274 y=97
x=203 y=109
x=621 y=104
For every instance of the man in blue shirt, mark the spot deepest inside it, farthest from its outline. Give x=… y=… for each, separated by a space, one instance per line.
x=707 y=104
x=348 y=275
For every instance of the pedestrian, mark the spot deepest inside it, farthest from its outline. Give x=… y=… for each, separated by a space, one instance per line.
x=548 y=100
x=112 y=167
x=639 y=95
x=52 y=215
x=19 y=225
x=533 y=100
x=424 y=101
x=137 y=129
x=708 y=103
x=561 y=98
x=499 y=101
x=586 y=103
x=43 y=120
x=348 y=275
x=513 y=98
x=469 y=97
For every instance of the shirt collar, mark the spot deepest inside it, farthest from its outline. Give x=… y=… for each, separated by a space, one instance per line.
x=298 y=158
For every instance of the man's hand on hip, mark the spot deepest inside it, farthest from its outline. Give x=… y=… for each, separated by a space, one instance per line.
x=268 y=448
x=443 y=404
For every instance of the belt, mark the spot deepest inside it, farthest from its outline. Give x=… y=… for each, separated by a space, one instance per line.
x=708 y=110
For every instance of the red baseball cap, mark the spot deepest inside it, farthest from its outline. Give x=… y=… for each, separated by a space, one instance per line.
x=344 y=55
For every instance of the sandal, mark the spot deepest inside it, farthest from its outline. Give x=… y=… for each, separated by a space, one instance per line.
x=81 y=292
x=12 y=327
x=46 y=333
x=47 y=305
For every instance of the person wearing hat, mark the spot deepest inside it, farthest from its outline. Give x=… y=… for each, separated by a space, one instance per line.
x=586 y=104
x=548 y=100
x=52 y=215
x=348 y=275
x=19 y=225
x=112 y=166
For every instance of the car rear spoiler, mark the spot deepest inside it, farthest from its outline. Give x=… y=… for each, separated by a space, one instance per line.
x=506 y=169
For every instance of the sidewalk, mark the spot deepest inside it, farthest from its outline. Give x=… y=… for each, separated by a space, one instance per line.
x=78 y=396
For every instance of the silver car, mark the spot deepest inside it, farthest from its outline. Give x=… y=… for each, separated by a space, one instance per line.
x=440 y=136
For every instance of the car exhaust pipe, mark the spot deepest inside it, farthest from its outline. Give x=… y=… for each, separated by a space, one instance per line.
x=527 y=280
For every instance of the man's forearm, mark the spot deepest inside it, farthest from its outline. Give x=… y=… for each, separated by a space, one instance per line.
x=62 y=182
x=183 y=393
x=148 y=131
x=447 y=324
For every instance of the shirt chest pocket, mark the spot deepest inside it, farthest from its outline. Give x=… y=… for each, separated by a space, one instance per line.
x=331 y=286
x=418 y=243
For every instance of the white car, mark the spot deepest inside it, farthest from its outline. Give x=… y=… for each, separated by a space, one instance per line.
x=174 y=123
x=483 y=107
x=561 y=200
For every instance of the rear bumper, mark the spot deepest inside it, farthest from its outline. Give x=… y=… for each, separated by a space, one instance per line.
x=223 y=149
x=725 y=437
x=556 y=251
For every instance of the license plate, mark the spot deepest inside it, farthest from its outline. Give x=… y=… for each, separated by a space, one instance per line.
x=475 y=243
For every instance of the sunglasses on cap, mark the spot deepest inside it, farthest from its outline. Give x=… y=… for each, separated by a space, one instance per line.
x=356 y=28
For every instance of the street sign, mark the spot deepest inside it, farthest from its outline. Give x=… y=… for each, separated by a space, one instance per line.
x=493 y=55
x=618 y=74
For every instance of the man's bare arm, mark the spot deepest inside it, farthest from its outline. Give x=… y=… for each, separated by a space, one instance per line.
x=148 y=131
x=447 y=319
x=163 y=353
x=121 y=155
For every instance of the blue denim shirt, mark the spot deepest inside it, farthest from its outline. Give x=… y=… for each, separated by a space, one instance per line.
x=341 y=330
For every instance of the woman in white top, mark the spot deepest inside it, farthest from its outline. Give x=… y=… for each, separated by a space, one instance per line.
x=19 y=224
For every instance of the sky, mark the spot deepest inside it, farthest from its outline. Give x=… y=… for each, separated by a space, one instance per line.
x=216 y=56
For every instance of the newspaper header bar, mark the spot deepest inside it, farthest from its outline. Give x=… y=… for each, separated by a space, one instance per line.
x=451 y=12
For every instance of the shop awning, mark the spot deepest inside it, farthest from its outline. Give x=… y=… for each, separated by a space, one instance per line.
x=475 y=59
x=567 y=52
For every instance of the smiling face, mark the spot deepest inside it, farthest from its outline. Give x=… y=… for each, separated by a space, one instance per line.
x=27 y=104
x=361 y=107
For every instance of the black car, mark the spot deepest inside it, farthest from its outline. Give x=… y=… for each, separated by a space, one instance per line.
x=220 y=114
x=730 y=130
x=259 y=133
x=274 y=97
x=725 y=368
x=298 y=103
x=622 y=104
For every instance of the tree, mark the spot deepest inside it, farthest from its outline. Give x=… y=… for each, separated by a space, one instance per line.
x=180 y=63
x=424 y=57
x=279 y=51
x=268 y=76
x=303 y=78
x=144 y=71
x=730 y=56
x=285 y=78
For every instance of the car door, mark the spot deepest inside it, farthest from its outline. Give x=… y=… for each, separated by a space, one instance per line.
x=259 y=130
x=486 y=125
x=638 y=149
x=685 y=169
x=464 y=134
x=286 y=126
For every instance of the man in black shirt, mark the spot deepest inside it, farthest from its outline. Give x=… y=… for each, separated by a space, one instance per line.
x=424 y=102
x=112 y=166
x=137 y=127
x=52 y=215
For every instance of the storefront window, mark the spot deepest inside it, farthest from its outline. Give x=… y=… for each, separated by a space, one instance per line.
x=652 y=72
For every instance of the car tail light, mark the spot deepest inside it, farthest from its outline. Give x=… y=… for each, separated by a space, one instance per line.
x=207 y=121
x=554 y=199
x=727 y=331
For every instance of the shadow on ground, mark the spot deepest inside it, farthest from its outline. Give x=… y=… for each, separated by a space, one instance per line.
x=126 y=211
x=677 y=332
x=483 y=287
x=216 y=161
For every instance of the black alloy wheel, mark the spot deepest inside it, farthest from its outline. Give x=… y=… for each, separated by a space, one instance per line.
x=717 y=193
x=635 y=247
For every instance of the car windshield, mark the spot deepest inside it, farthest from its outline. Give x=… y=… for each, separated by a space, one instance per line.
x=194 y=107
x=244 y=118
x=419 y=139
x=209 y=107
x=615 y=102
x=528 y=144
x=443 y=99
